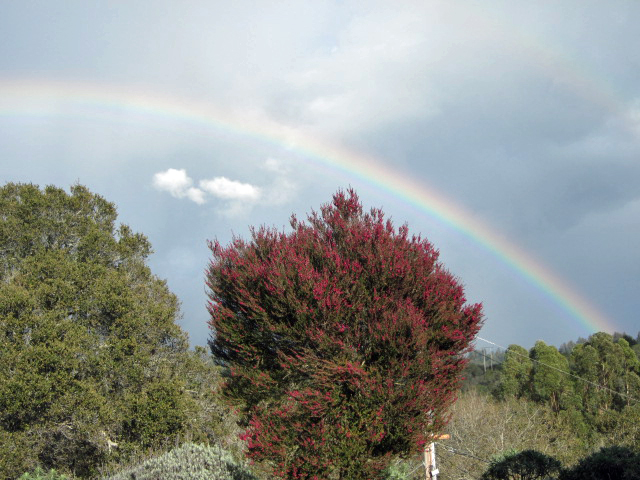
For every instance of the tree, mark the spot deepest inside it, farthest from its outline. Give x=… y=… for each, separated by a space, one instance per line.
x=610 y=365
x=609 y=462
x=550 y=381
x=526 y=465
x=344 y=337
x=92 y=363
x=515 y=376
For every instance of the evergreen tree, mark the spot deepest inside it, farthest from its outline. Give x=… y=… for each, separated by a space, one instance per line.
x=92 y=363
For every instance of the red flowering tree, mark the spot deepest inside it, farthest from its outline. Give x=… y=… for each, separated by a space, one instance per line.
x=344 y=338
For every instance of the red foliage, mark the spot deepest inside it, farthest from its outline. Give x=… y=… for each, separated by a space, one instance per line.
x=345 y=339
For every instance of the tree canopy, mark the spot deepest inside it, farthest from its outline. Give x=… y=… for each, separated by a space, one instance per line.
x=92 y=363
x=593 y=387
x=344 y=338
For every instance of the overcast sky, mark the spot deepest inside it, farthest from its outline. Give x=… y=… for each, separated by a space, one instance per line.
x=196 y=117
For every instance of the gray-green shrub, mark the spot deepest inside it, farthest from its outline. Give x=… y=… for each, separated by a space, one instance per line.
x=189 y=462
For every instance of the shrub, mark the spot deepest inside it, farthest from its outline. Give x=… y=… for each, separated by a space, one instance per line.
x=188 y=462
x=40 y=474
x=619 y=463
x=526 y=465
x=403 y=469
x=344 y=339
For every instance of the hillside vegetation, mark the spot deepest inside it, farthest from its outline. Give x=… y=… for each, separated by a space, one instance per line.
x=566 y=403
x=97 y=380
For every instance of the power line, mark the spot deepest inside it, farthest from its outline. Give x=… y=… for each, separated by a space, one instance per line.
x=422 y=464
x=458 y=452
x=597 y=385
x=493 y=359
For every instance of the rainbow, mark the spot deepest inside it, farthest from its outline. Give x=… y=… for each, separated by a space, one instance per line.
x=52 y=99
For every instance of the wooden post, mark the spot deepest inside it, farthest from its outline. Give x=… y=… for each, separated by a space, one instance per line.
x=430 y=457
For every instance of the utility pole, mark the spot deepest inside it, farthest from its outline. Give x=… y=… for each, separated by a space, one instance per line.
x=430 y=457
x=484 y=359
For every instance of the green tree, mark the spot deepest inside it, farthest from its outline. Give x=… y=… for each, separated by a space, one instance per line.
x=585 y=359
x=629 y=383
x=550 y=381
x=612 y=374
x=608 y=463
x=515 y=376
x=627 y=429
x=92 y=363
x=345 y=339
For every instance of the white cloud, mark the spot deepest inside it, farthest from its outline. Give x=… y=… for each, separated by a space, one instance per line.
x=237 y=198
x=173 y=181
x=196 y=195
x=226 y=189
x=178 y=184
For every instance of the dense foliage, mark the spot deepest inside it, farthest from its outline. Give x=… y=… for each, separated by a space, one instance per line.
x=610 y=462
x=93 y=366
x=344 y=338
x=594 y=386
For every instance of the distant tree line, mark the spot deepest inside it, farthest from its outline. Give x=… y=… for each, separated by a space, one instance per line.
x=593 y=385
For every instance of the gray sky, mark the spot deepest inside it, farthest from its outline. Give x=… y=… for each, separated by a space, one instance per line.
x=199 y=119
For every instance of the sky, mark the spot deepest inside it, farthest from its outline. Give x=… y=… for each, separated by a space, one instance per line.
x=506 y=133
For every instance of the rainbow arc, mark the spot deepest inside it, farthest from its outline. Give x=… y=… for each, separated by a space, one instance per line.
x=19 y=98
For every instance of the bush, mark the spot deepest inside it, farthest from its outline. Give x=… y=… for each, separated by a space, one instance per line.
x=403 y=469
x=188 y=462
x=616 y=463
x=526 y=465
x=40 y=474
